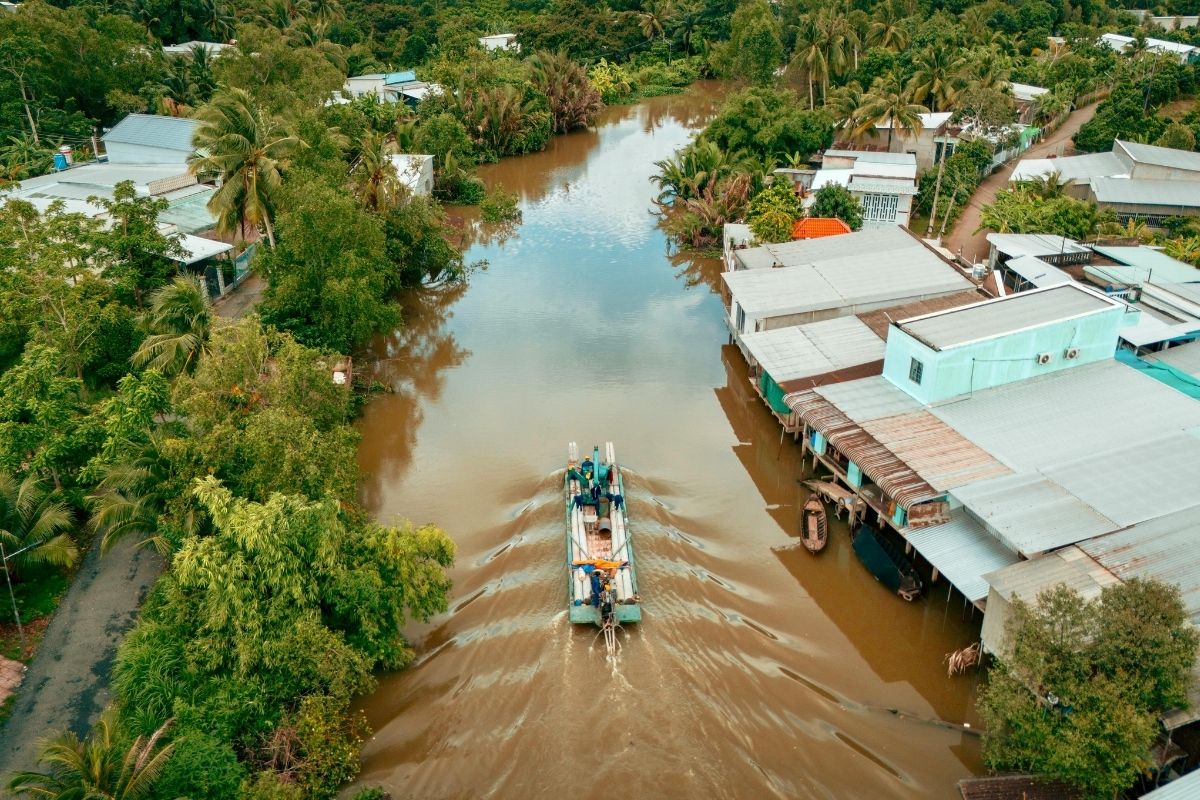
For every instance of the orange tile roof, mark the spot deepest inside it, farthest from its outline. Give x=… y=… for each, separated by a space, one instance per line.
x=817 y=227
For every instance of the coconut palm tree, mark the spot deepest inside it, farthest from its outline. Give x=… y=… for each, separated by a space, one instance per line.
x=810 y=55
x=376 y=182
x=653 y=20
x=1051 y=105
x=180 y=320
x=887 y=31
x=1046 y=187
x=846 y=102
x=94 y=768
x=246 y=149
x=938 y=76
x=32 y=517
x=889 y=102
x=131 y=497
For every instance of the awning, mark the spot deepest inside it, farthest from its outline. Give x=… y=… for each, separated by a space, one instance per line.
x=962 y=551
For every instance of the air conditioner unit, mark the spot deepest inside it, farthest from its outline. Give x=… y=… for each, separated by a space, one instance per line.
x=1043 y=358
x=1072 y=352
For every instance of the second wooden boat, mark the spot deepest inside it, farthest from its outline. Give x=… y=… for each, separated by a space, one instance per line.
x=814 y=527
x=887 y=563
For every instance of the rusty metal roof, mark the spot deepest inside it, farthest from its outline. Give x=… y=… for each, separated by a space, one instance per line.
x=880 y=464
x=939 y=454
x=881 y=319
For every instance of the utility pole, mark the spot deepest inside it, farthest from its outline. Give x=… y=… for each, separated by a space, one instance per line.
x=4 y=559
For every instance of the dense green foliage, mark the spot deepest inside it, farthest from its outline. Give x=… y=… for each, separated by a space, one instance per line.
x=773 y=211
x=1078 y=693
x=832 y=200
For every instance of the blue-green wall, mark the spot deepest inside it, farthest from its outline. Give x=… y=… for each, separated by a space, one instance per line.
x=1005 y=359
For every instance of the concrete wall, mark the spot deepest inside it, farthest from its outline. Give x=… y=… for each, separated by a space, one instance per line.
x=124 y=153
x=995 y=618
x=1001 y=360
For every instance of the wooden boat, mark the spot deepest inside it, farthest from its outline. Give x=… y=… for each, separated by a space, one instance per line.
x=814 y=529
x=599 y=541
x=887 y=563
x=842 y=499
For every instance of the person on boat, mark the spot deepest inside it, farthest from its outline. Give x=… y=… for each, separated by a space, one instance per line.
x=597 y=577
x=587 y=466
x=606 y=603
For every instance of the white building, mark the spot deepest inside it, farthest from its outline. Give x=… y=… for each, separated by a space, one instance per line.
x=884 y=183
x=415 y=172
x=185 y=48
x=500 y=41
x=390 y=87
x=1182 y=52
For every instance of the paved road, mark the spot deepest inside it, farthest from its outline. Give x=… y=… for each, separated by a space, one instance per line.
x=66 y=686
x=963 y=238
x=242 y=300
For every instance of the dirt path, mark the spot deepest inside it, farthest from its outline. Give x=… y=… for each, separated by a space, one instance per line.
x=963 y=238
x=66 y=686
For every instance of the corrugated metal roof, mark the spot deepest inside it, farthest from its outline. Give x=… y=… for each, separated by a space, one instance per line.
x=881 y=319
x=1034 y=244
x=1119 y=42
x=1185 y=357
x=1151 y=330
x=1072 y=169
x=1138 y=480
x=1161 y=156
x=152 y=130
x=196 y=248
x=1070 y=566
x=962 y=551
x=1152 y=262
x=1137 y=191
x=802 y=351
x=888 y=472
x=1025 y=91
x=874 y=156
x=880 y=185
x=1185 y=788
x=934 y=450
x=943 y=330
x=870 y=398
x=859 y=243
x=1162 y=548
x=870 y=266
x=1053 y=418
x=1031 y=513
x=1037 y=272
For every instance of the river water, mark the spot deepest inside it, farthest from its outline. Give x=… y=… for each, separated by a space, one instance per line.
x=755 y=673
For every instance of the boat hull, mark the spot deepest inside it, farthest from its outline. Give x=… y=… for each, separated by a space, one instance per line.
x=814 y=530
x=888 y=566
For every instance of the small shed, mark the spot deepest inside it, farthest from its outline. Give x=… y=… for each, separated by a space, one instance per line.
x=500 y=41
x=415 y=172
x=1056 y=250
x=1030 y=272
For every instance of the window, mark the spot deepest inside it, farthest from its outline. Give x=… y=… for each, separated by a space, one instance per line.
x=739 y=318
x=937 y=150
x=880 y=207
x=915 y=370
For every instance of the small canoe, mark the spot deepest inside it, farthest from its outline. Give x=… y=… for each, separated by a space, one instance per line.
x=887 y=563
x=601 y=584
x=814 y=529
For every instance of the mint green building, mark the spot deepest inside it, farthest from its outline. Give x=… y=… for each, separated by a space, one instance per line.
x=967 y=349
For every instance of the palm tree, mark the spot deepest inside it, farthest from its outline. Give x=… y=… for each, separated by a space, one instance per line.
x=846 y=103
x=131 y=497
x=246 y=149
x=573 y=101
x=938 y=76
x=180 y=320
x=1051 y=105
x=888 y=102
x=94 y=769
x=1046 y=187
x=34 y=520
x=653 y=20
x=376 y=181
x=811 y=55
x=887 y=31
x=216 y=17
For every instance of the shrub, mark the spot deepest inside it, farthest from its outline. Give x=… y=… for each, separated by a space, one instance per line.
x=201 y=766
x=499 y=206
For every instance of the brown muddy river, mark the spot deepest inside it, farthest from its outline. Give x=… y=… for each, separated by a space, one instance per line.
x=755 y=673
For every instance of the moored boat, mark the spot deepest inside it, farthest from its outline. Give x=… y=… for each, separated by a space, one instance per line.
x=888 y=564
x=601 y=582
x=814 y=527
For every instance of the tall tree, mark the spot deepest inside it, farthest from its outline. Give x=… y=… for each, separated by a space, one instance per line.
x=179 y=322
x=239 y=143
x=939 y=75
